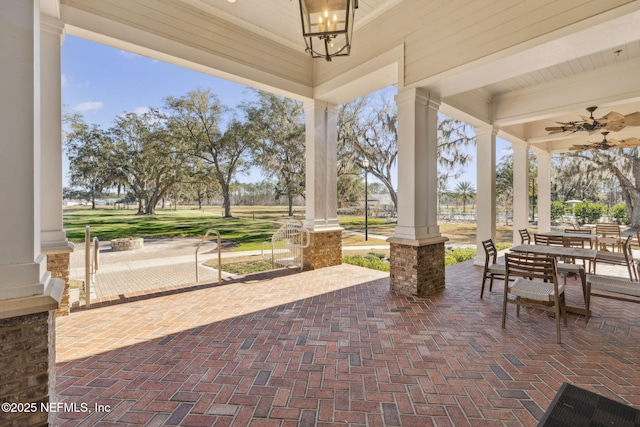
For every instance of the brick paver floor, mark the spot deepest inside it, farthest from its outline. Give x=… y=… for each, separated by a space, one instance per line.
x=335 y=347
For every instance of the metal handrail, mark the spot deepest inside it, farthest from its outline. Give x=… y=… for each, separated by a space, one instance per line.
x=91 y=263
x=202 y=241
x=295 y=237
x=264 y=256
x=87 y=266
x=96 y=255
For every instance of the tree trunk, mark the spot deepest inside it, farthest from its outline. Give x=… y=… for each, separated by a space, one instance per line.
x=151 y=206
x=226 y=201
x=634 y=209
x=141 y=205
x=290 y=197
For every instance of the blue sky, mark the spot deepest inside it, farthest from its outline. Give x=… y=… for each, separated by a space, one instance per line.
x=102 y=82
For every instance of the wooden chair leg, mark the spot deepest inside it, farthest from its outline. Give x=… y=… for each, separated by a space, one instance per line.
x=557 y=319
x=484 y=281
x=504 y=310
x=588 y=303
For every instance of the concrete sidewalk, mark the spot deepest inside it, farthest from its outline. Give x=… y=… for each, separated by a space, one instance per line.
x=161 y=265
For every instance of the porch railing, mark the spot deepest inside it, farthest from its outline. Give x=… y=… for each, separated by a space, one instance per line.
x=91 y=263
x=287 y=245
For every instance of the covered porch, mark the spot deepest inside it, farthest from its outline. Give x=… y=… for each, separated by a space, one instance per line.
x=333 y=347
x=509 y=68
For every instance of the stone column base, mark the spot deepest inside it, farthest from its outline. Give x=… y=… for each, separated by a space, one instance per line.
x=27 y=366
x=324 y=250
x=417 y=267
x=58 y=263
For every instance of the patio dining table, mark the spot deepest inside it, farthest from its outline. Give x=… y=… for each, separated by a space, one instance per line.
x=561 y=252
x=584 y=237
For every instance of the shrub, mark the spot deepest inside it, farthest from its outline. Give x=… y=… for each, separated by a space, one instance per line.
x=500 y=246
x=457 y=255
x=367 y=261
x=378 y=261
x=620 y=214
x=558 y=209
x=588 y=212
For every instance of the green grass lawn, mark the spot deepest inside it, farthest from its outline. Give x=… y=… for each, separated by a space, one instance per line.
x=107 y=224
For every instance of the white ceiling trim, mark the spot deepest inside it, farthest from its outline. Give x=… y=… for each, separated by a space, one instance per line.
x=605 y=31
x=616 y=83
x=380 y=72
x=143 y=43
x=212 y=10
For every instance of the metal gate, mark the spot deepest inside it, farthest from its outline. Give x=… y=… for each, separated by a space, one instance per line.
x=287 y=245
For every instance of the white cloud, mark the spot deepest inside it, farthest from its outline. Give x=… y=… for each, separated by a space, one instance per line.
x=64 y=80
x=83 y=107
x=141 y=110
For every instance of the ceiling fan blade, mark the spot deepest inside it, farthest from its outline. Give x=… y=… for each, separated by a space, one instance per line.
x=553 y=130
x=633 y=142
x=589 y=120
x=614 y=126
x=579 y=147
x=632 y=119
x=611 y=116
x=625 y=143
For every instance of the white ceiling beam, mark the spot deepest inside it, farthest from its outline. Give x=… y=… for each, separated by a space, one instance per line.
x=605 y=31
x=605 y=86
x=121 y=36
x=471 y=107
x=380 y=72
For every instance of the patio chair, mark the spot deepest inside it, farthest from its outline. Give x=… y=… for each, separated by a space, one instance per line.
x=568 y=266
x=577 y=242
x=609 y=234
x=579 y=229
x=492 y=269
x=580 y=240
x=535 y=285
x=625 y=258
x=541 y=239
x=525 y=237
x=616 y=288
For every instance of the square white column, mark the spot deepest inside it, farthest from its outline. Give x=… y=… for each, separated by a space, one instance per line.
x=321 y=166
x=544 y=192
x=486 y=188
x=53 y=236
x=417 y=165
x=520 y=190
x=22 y=266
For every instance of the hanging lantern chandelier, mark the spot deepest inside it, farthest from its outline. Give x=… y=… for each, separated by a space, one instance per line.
x=327 y=27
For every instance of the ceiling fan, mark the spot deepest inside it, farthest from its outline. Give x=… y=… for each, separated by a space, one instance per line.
x=607 y=144
x=611 y=121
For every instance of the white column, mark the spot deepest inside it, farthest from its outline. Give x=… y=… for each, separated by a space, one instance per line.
x=22 y=266
x=486 y=191
x=520 y=190
x=417 y=165
x=544 y=192
x=321 y=166
x=53 y=236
